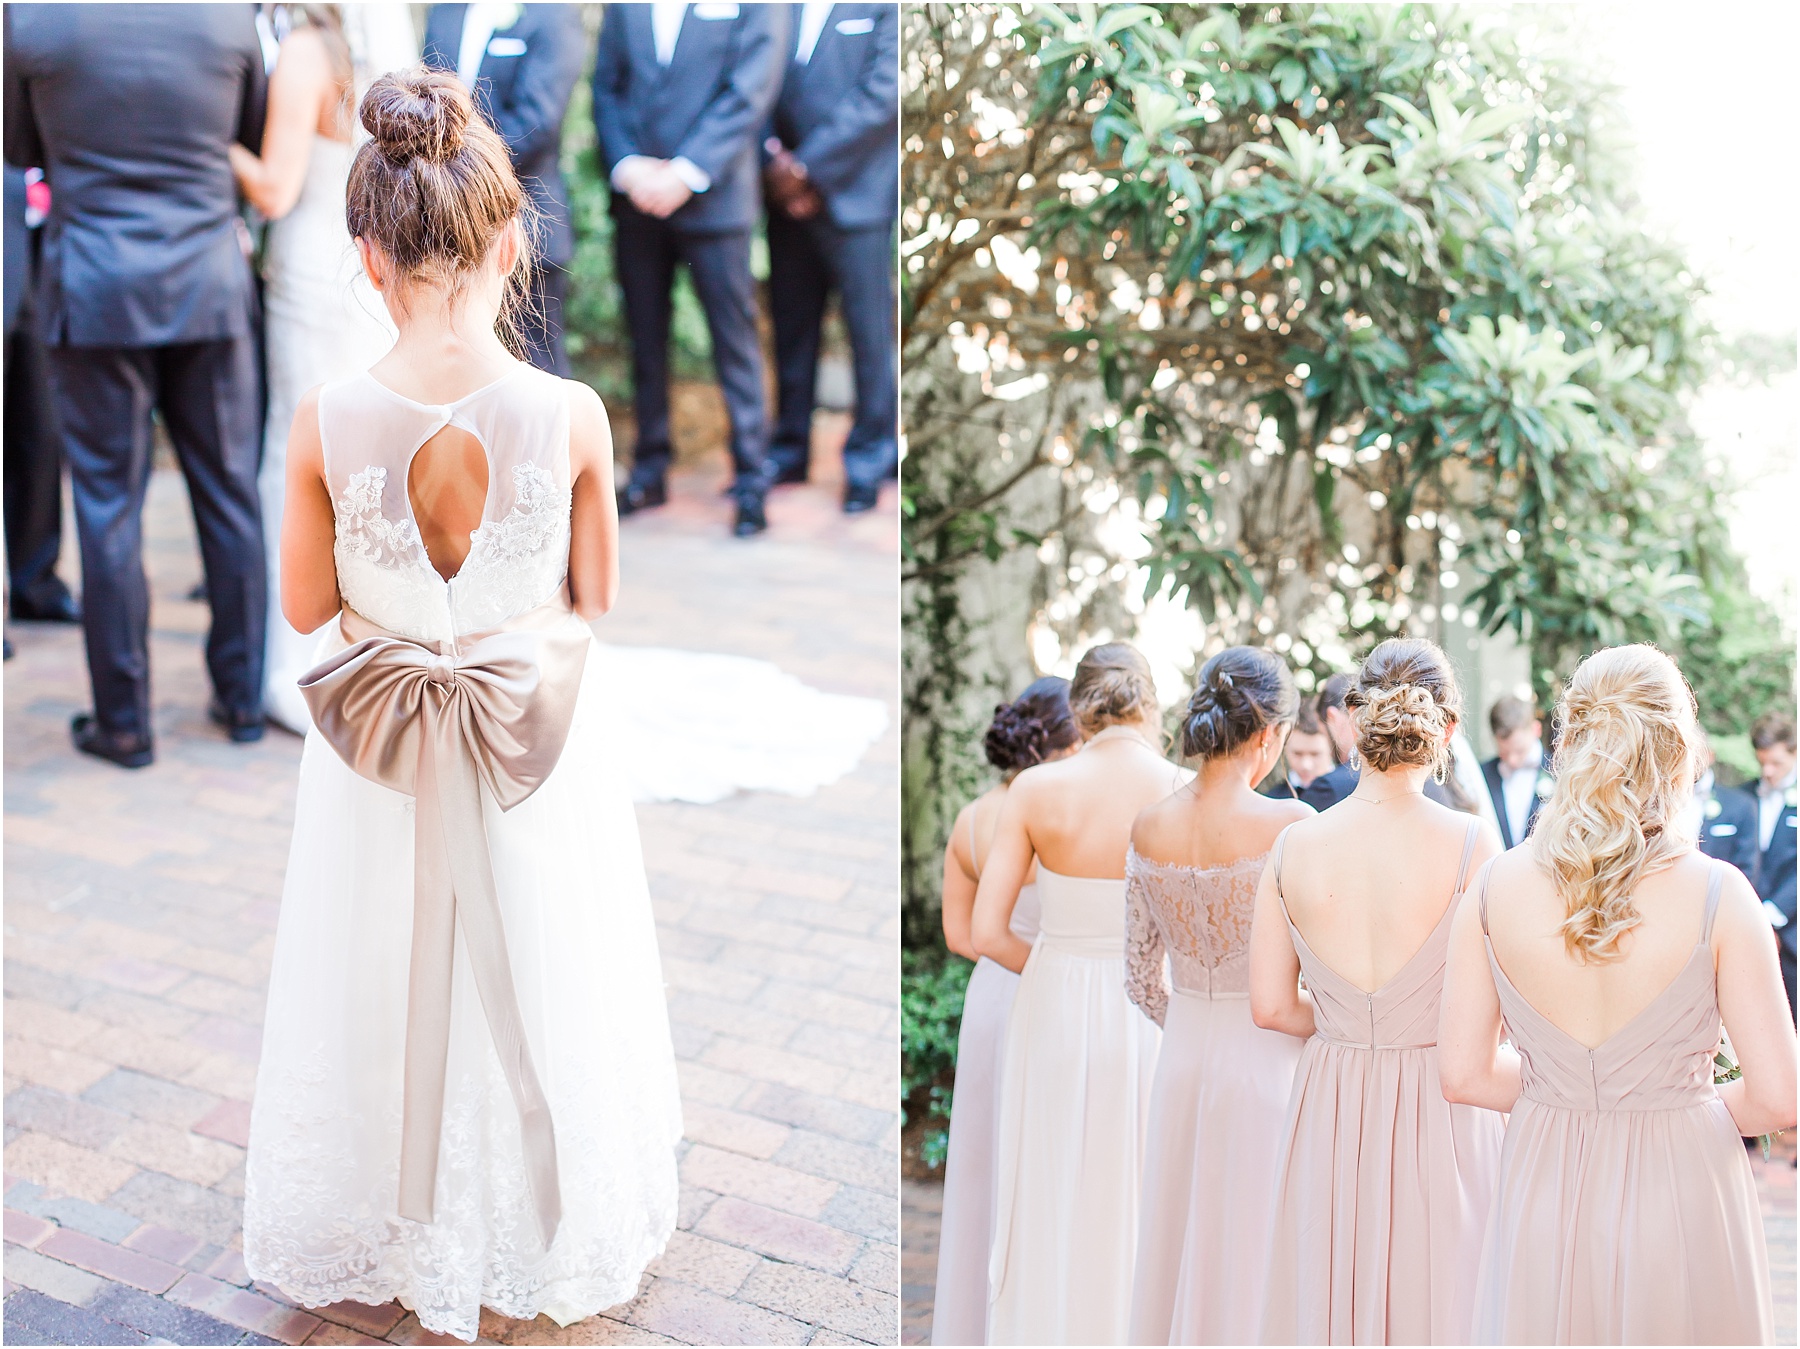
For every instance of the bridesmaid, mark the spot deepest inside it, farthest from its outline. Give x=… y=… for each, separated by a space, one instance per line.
x=1034 y=728
x=1222 y=1083
x=1077 y=1065
x=1383 y=1188
x=1607 y=949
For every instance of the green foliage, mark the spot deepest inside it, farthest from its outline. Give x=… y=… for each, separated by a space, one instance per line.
x=931 y=1002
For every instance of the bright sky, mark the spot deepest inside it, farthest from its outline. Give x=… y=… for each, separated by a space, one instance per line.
x=1708 y=93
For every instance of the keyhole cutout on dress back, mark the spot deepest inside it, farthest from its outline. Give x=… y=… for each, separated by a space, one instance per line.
x=447 y=487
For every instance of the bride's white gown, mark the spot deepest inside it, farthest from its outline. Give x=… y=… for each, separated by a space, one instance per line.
x=320 y=1204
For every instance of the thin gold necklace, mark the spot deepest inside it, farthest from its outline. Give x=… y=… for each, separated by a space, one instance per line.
x=1121 y=733
x=1369 y=800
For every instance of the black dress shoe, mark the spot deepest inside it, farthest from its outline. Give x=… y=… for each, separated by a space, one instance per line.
x=750 y=517
x=860 y=499
x=56 y=607
x=128 y=751
x=638 y=496
x=243 y=727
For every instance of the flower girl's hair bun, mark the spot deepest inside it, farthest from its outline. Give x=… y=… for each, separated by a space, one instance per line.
x=1112 y=687
x=1241 y=691
x=1627 y=749
x=1031 y=727
x=434 y=187
x=1405 y=696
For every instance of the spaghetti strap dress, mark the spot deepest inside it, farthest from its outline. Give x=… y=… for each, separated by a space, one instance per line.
x=1626 y=1211
x=1383 y=1191
x=966 y=1232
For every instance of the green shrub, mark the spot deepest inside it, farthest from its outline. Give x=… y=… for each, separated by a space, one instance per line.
x=931 y=1003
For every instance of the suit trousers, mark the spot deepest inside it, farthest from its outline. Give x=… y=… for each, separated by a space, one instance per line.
x=647 y=251
x=33 y=475
x=808 y=260
x=542 y=323
x=208 y=395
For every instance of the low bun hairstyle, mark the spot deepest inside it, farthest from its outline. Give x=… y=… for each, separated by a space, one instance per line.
x=1241 y=691
x=434 y=186
x=1404 y=698
x=1626 y=752
x=1112 y=687
x=1031 y=727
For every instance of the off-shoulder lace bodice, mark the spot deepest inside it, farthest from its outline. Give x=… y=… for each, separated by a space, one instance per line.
x=518 y=556
x=1199 y=917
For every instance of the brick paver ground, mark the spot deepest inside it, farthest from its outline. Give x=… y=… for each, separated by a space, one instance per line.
x=922 y=1206
x=140 y=914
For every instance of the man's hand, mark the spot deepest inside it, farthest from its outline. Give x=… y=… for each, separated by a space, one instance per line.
x=656 y=189
x=789 y=187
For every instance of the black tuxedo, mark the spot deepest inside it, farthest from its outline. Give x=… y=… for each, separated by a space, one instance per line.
x=1490 y=773
x=705 y=106
x=145 y=301
x=1774 y=878
x=1728 y=828
x=522 y=87
x=33 y=474
x=1318 y=793
x=838 y=115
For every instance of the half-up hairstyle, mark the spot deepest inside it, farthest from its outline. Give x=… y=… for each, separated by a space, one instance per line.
x=1625 y=757
x=1404 y=697
x=1242 y=691
x=1031 y=727
x=434 y=187
x=1112 y=687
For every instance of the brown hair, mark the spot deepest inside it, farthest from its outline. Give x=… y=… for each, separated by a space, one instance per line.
x=1241 y=691
x=1405 y=696
x=1510 y=715
x=1112 y=686
x=1307 y=718
x=435 y=187
x=1771 y=729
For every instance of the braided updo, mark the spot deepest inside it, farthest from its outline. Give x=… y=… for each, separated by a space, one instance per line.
x=1112 y=687
x=1032 y=727
x=1242 y=691
x=1405 y=697
x=434 y=187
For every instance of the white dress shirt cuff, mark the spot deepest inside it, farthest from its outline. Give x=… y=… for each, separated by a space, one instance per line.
x=622 y=171
x=691 y=173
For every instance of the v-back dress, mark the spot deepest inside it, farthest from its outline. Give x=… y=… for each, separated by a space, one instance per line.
x=1626 y=1211
x=1384 y=1186
x=322 y=1205
x=966 y=1232
x=1074 y=1099
x=1216 y=1109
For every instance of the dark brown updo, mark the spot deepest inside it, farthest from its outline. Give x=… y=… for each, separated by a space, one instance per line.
x=1241 y=691
x=1112 y=687
x=1405 y=696
x=435 y=186
x=1031 y=727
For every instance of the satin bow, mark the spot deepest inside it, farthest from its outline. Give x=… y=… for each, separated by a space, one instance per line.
x=494 y=710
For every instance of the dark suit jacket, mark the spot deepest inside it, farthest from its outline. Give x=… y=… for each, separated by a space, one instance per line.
x=840 y=112
x=1730 y=832
x=1326 y=790
x=1490 y=773
x=707 y=105
x=18 y=245
x=1774 y=878
x=128 y=109
x=524 y=95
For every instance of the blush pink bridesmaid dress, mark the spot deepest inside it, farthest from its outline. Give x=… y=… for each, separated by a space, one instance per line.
x=1384 y=1186
x=1626 y=1211
x=1216 y=1107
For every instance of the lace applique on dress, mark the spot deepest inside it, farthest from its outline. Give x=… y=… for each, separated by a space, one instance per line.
x=517 y=562
x=1199 y=916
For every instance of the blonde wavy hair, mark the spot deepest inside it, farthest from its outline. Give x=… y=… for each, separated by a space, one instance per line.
x=1112 y=686
x=1626 y=753
x=1404 y=699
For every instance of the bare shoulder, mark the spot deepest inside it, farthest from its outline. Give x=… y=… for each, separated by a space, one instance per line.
x=303 y=55
x=1740 y=908
x=1157 y=819
x=590 y=432
x=305 y=441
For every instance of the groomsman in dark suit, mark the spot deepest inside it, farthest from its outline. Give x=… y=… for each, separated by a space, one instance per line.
x=1328 y=789
x=1772 y=737
x=1309 y=760
x=145 y=302
x=833 y=181
x=33 y=449
x=1725 y=820
x=521 y=63
x=1514 y=773
x=680 y=95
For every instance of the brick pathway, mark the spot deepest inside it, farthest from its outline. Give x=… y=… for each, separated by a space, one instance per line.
x=140 y=913
x=922 y=1206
